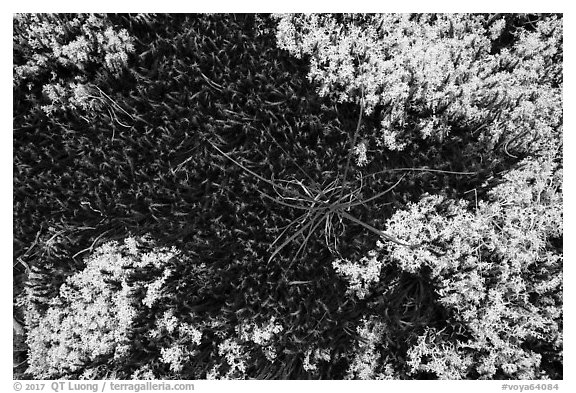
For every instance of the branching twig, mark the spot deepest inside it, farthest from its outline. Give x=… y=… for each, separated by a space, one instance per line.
x=92 y=245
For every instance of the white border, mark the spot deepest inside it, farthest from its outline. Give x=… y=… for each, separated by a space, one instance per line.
x=305 y=6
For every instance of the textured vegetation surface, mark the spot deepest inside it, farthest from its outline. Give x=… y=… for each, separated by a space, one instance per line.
x=288 y=196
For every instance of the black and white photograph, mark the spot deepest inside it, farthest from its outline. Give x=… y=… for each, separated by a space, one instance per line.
x=288 y=196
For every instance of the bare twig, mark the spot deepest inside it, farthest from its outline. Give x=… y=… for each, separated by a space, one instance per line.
x=275 y=185
x=287 y=241
x=361 y=202
x=92 y=245
x=114 y=102
x=376 y=231
x=421 y=170
x=353 y=142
